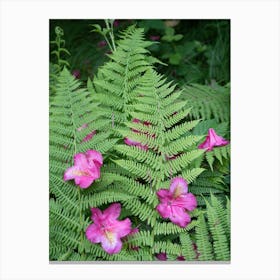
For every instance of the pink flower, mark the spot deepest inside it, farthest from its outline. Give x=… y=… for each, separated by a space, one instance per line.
x=86 y=168
x=161 y=256
x=175 y=201
x=212 y=140
x=89 y=136
x=76 y=73
x=154 y=37
x=107 y=230
x=102 y=44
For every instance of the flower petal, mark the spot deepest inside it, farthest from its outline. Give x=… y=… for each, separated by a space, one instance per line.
x=93 y=233
x=178 y=187
x=164 y=210
x=111 y=243
x=187 y=201
x=96 y=215
x=179 y=217
x=80 y=161
x=84 y=181
x=164 y=195
x=94 y=157
x=70 y=173
x=113 y=211
x=217 y=140
x=122 y=228
x=206 y=144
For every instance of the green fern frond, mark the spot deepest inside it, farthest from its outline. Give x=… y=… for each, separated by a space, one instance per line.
x=208 y=102
x=204 y=246
x=218 y=230
x=218 y=153
x=187 y=247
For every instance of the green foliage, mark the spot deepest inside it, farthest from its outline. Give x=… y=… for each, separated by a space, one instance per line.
x=59 y=52
x=208 y=102
x=217 y=221
x=115 y=85
x=69 y=111
x=168 y=133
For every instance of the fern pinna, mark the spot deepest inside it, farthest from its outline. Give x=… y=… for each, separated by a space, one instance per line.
x=152 y=161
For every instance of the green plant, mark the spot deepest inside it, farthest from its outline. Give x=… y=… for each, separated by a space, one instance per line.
x=209 y=101
x=70 y=110
x=148 y=132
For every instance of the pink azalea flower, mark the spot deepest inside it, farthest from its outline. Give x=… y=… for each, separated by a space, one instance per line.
x=212 y=140
x=76 y=73
x=89 y=136
x=175 y=201
x=161 y=256
x=86 y=168
x=107 y=230
x=154 y=37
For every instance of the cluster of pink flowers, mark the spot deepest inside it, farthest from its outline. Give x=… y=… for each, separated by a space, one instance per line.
x=132 y=142
x=175 y=202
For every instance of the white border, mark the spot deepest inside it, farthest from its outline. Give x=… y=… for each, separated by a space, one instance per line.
x=24 y=138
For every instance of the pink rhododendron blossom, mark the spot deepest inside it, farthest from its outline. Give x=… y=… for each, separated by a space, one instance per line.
x=76 y=73
x=89 y=136
x=212 y=140
x=107 y=230
x=154 y=37
x=85 y=125
x=161 y=256
x=86 y=168
x=175 y=201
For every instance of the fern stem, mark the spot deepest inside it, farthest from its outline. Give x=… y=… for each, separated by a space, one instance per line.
x=111 y=34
